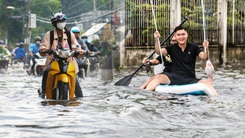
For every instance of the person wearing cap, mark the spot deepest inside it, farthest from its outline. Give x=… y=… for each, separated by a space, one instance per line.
x=60 y=37
x=19 y=52
x=33 y=50
x=90 y=46
x=76 y=31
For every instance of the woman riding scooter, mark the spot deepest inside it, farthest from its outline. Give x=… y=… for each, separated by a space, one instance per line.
x=59 y=38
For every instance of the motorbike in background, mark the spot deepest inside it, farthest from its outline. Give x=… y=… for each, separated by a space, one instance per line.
x=40 y=64
x=17 y=63
x=93 y=63
x=4 y=62
x=90 y=63
x=27 y=61
x=83 y=66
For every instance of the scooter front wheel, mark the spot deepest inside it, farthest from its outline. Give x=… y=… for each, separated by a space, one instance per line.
x=61 y=92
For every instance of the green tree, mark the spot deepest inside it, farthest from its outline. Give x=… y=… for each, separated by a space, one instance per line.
x=43 y=10
x=13 y=20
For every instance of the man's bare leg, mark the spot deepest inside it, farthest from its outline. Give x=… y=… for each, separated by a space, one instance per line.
x=146 y=83
x=158 y=79
x=210 y=86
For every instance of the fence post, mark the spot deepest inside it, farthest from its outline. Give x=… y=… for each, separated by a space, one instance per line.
x=222 y=23
x=175 y=14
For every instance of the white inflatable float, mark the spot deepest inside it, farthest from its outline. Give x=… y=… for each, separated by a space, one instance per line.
x=187 y=89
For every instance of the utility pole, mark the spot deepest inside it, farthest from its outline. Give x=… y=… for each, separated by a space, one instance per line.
x=95 y=10
x=95 y=6
x=27 y=23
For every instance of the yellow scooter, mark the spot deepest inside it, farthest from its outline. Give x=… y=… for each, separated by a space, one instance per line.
x=61 y=78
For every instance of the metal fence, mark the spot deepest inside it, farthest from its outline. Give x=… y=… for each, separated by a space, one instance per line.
x=193 y=9
x=140 y=23
x=140 y=26
x=236 y=25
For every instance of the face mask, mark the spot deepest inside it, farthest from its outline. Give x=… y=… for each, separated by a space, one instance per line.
x=61 y=25
x=85 y=40
x=38 y=43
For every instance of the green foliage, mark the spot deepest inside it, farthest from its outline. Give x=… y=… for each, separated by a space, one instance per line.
x=15 y=27
x=95 y=41
x=132 y=7
x=37 y=7
x=192 y=14
x=238 y=18
x=160 y=16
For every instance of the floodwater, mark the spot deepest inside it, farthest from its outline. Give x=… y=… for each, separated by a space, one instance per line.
x=108 y=111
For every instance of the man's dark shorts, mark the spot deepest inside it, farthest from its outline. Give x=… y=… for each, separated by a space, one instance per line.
x=180 y=79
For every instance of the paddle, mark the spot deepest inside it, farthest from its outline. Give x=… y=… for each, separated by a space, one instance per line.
x=127 y=79
x=155 y=22
x=209 y=66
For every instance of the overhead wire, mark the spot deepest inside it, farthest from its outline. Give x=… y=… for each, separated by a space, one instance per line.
x=41 y=3
x=73 y=6
x=45 y=20
x=78 y=11
x=77 y=19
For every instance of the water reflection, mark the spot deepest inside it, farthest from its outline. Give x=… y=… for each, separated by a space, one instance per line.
x=116 y=111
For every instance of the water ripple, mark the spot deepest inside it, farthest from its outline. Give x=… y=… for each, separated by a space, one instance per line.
x=116 y=111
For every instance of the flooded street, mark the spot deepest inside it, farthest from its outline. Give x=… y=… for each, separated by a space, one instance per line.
x=116 y=111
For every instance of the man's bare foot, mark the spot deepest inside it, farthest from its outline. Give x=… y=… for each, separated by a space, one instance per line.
x=142 y=88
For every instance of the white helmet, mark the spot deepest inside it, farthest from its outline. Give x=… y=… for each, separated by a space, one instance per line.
x=75 y=29
x=60 y=16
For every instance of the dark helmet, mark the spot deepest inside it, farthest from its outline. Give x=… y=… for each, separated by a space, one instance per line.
x=84 y=37
x=58 y=17
x=38 y=38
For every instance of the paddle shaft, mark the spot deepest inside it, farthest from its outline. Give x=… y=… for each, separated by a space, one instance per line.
x=203 y=20
x=204 y=25
x=155 y=22
x=185 y=19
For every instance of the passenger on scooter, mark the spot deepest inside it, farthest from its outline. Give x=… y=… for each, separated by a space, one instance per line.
x=90 y=46
x=60 y=37
x=76 y=31
x=19 y=52
x=82 y=63
x=33 y=50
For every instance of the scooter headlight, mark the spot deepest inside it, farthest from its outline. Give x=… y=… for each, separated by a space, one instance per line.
x=64 y=53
